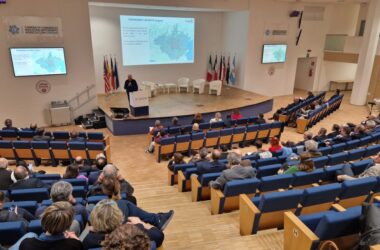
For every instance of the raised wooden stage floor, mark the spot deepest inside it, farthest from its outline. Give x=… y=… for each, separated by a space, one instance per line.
x=184 y=106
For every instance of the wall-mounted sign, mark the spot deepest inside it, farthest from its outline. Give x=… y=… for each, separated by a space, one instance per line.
x=43 y=87
x=33 y=29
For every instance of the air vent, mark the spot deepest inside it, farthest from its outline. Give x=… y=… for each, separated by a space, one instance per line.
x=312 y=13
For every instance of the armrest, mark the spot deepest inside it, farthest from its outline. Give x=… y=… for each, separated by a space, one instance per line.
x=171 y=180
x=301 y=125
x=296 y=234
x=338 y=208
x=181 y=179
x=376 y=199
x=216 y=197
x=375 y=247
x=107 y=140
x=315 y=185
x=195 y=185
x=247 y=214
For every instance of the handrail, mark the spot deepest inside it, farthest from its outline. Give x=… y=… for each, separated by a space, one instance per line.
x=77 y=100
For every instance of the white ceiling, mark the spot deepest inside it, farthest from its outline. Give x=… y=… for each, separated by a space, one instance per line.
x=326 y=1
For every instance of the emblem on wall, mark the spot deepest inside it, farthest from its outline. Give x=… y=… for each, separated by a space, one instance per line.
x=43 y=87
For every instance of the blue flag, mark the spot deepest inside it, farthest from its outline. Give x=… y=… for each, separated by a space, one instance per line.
x=116 y=75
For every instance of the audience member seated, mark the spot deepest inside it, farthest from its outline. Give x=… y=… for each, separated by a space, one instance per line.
x=344 y=135
x=334 y=131
x=205 y=166
x=23 y=181
x=321 y=136
x=100 y=162
x=156 y=139
x=311 y=149
x=55 y=221
x=306 y=165
x=176 y=159
x=32 y=127
x=175 y=122
x=224 y=154
x=197 y=118
x=287 y=150
x=236 y=115
x=275 y=145
x=111 y=188
x=195 y=128
x=310 y=95
x=217 y=118
x=126 y=236
x=262 y=153
x=5 y=175
x=153 y=131
x=235 y=171
x=14 y=213
x=72 y=172
x=347 y=174
x=8 y=125
x=261 y=119
x=359 y=132
x=41 y=136
x=106 y=217
x=370 y=126
x=306 y=136
x=83 y=165
x=336 y=94
x=74 y=136
x=63 y=191
x=110 y=171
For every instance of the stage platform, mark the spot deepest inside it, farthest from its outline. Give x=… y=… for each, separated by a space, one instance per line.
x=183 y=105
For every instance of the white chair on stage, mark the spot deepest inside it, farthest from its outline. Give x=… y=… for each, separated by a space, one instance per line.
x=215 y=87
x=183 y=83
x=150 y=87
x=199 y=86
x=169 y=86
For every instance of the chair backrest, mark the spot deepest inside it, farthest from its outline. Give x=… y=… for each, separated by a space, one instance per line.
x=11 y=232
x=330 y=172
x=30 y=206
x=356 y=154
x=61 y=135
x=320 y=162
x=95 y=136
x=54 y=177
x=58 y=145
x=305 y=178
x=77 y=182
x=268 y=170
x=334 y=225
x=74 y=145
x=40 y=145
x=359 y=166
x=9 y=134
x=277 y=201
x=183 y=80
x=182 y=167
x=274 y=182
x=267 y=161
x=237 y=187
x=216 y=84
x=36 y=194
x=167 y=141
x=337 y=158
x=183 y=138
x=357 y=187
x=206 y=178
x=321 y=194
x=197 y=136
x=22 y=144
x=372 y=150
x=199 y=81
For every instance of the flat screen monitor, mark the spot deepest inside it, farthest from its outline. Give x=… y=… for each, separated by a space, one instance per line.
x=38 y=61
x=274 y=53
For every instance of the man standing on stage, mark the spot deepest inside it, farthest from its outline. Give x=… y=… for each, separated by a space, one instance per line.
x=130 y=85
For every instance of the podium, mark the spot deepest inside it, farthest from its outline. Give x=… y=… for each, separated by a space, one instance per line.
x=139 y=103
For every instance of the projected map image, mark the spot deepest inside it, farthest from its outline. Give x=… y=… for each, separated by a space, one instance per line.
x=157 y=40
x=38 y=61
x=275 y=53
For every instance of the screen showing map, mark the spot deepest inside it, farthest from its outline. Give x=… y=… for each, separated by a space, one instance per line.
x=157 y=40
x=274 y=53
x=38 y=61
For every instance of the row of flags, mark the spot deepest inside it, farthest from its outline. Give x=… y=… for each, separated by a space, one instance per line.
x=110 y=75
x=222 y=70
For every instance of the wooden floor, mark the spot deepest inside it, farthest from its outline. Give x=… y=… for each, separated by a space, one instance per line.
x=178 y=104
x=192 y=226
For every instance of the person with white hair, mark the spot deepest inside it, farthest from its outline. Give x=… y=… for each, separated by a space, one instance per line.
x=5 y=175
x=111 y=171
x=311 y=148
x=235 y=171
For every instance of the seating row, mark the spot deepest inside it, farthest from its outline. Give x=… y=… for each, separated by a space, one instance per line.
x=309 y=232
x=294 y=109
x=318 y=114
x=226 y=200
x=357 y=153
x=267 y=210
x=53 y=150
x=27 y=135
x=270 y=166
x=228 y=136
